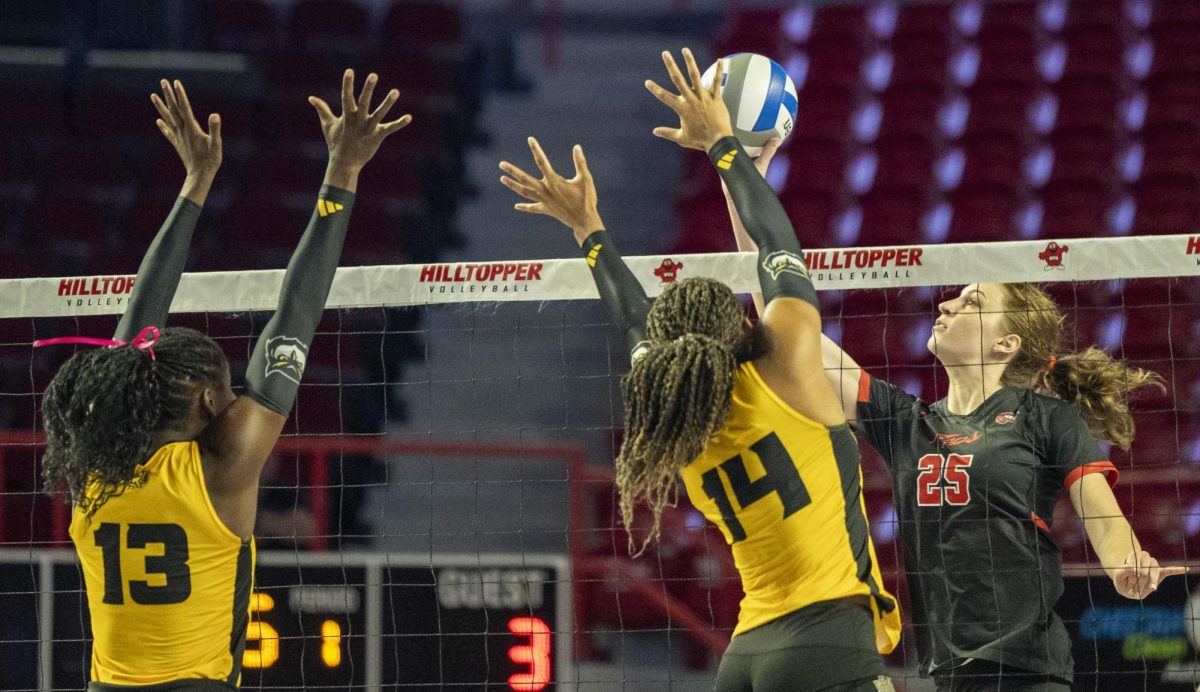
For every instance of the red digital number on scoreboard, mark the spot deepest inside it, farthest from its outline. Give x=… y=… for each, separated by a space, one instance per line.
x=535 y=654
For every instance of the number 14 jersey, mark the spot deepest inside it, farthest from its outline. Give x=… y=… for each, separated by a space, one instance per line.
x=786 y=492
x=168 y=585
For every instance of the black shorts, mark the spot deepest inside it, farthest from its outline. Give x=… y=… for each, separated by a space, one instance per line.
x=176 y=686
x=987 y=676
x=824 y=647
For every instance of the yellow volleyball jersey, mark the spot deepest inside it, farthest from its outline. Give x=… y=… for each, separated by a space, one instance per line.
x=168 y=585
x=786 y=492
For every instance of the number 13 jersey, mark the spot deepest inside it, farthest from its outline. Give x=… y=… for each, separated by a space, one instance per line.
x=168 y=585
x=786 y=492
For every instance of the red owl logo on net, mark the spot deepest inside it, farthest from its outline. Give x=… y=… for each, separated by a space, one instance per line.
x=1053 y=256
x=668 y=271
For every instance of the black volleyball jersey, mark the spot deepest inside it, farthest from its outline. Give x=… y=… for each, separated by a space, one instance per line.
x=974 y=495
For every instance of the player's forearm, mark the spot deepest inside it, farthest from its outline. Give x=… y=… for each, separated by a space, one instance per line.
x=619 y=289
x=744 y=244
x=196 y=186
x=1112 y=539
x=277 y=363
x=781 y=268
x=158 y=275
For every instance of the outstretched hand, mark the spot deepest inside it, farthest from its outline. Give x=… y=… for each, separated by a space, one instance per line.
x=571 y=201
x=354 y=136
x=1140 y=574
x=200 y=151
x=703 y=116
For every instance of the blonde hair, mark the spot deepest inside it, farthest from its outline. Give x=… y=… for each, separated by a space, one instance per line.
x=678 y=394
x=1099 y=385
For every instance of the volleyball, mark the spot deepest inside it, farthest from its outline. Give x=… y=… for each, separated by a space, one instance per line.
x=761 y=98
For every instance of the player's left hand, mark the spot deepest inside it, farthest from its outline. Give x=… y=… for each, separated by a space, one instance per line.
x=200 y=151
x=703 y=116
x=570 y=200
x=1140 y=574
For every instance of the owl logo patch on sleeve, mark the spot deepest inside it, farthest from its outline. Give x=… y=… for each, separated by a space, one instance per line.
x=286 y=356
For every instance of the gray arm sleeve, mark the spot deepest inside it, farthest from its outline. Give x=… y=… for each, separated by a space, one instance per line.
x=279 y=357
x=158 y=275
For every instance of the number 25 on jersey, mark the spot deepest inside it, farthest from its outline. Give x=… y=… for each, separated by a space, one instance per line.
x=943 y=480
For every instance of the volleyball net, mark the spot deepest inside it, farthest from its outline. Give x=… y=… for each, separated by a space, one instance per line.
x=440 y=512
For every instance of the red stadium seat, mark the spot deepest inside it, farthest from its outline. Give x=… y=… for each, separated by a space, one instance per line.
x=753 y=30
x=1083 y=154
x=983 y=212
x=992 y=158
x=929 y=20
x=1094 y=51
x=1075 y=208
x=811 y=213
x=1093 y=14
x=1173 y=98
x=840 y=22
x=920 y=59
x=241 y=25
x=1174 y=51
x=1008 y=56
x=379 y=236
x=337 y=25
x=1088 y=101
x=999 y=107
x=1017 y=15
x=911 y=110
x=905 y=161
x=813 y=164
x=426 y=25
x=256 y=233
x=17 y=109
x=1171 y=149
x=825 y=111
x=833 y=63
x=892 y=215
x=1167 y=204
x=1175 y=11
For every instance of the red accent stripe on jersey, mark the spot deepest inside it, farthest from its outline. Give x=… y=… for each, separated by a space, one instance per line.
x=1038 y=520
x=864 y=387
x=1105 y=466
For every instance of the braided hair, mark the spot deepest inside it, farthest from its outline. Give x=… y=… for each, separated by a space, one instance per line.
x=679 y=393
x=103 y=407
x=1099 y=385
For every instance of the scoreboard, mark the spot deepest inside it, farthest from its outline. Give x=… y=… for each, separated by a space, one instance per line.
x=356 y=621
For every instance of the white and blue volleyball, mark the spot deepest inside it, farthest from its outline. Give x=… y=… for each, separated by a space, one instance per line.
x=760 y=96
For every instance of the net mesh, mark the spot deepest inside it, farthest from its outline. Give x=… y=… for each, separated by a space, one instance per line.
x=440 y=512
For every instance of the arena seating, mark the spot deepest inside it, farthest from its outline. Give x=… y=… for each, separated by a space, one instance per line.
x=1065 y=86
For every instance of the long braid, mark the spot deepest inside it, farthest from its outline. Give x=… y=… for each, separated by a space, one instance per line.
x=679 y=394
x=103 y=407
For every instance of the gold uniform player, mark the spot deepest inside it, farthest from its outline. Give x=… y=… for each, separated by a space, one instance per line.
x=746 y=416
x=160 y=458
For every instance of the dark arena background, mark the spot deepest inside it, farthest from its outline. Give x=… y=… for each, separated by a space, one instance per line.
x=440 y=512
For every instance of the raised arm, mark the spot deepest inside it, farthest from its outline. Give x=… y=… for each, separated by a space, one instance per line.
x=238 y=442
x=573 y=202
x=790 y=318
x=158 y=275
x=843 y=373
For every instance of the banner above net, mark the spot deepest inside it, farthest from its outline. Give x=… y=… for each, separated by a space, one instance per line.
x=1078 y=259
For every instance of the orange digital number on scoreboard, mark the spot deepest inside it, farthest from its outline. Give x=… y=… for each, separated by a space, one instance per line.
x=536 y=654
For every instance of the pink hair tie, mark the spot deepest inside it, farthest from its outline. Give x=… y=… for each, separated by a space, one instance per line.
x=1053 y=361
x=144 y=341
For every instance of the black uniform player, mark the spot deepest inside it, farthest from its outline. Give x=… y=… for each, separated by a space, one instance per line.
x=976 y=476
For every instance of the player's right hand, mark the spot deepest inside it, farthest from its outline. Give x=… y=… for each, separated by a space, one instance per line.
x=200 y=151
x=571 y=201
x=354 y=136
x=703 y=116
